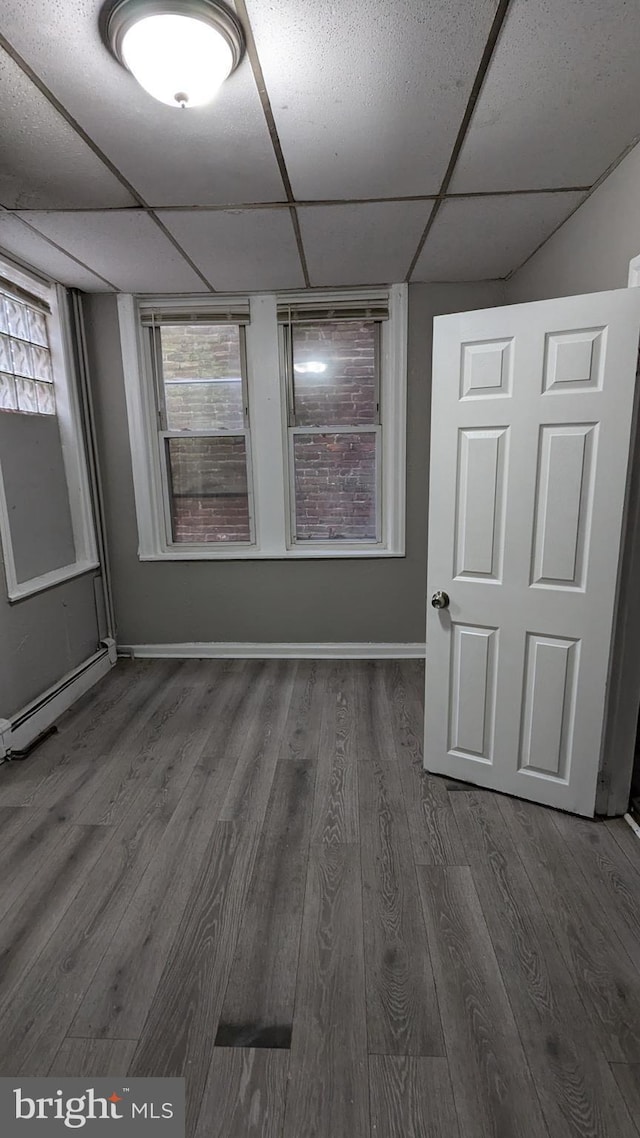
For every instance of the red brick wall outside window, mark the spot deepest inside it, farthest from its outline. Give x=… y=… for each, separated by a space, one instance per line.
x=334 y=473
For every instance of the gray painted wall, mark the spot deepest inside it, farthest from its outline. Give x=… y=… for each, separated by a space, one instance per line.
x=592 y=250
x=43 y=637
x=36 y=491
x=265 y=601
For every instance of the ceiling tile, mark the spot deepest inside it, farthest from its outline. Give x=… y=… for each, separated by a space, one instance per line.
x=372 y=243
x=561 y=99
x=240 y=250
x=125 y=246
x=368 y=97
x=19 y=239
x=484 y=238
x=44 y=162
x=209 y=155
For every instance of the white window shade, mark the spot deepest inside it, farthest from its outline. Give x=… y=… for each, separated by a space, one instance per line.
x=233 y=312
x=312 y=310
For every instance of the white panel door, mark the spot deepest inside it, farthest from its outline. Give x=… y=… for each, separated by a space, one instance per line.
x=531 y=421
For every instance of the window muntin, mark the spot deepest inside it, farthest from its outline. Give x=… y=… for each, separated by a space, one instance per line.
x=333 y=385
x=200 y=375
x=26 y=373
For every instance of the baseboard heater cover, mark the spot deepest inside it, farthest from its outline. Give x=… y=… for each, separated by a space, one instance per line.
x=19 y=732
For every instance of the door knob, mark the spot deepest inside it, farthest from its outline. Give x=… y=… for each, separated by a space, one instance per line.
x=440 y=600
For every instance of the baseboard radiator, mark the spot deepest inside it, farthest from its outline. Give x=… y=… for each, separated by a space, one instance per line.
x=20 y=732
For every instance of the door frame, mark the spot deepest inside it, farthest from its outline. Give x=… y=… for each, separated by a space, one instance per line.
x=623 y=688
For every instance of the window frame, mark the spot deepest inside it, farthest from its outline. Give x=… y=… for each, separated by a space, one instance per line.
x=269 y=466
x=154 y=366
x=293 y=429
x=69 y=418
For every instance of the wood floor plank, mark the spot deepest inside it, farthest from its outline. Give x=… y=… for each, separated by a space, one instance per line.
x=119 y=997
x=41 y=902
x=627 y=1076
x=402 y=1007
x=328 y=1095
x=163 y=758
x=260 y=996
x=411 y=1097
x=406 y=711
x=374 y=738
x=574 y=1083
x=114 y=708
x=302 y=729
x=93 y=1058
x=178 y=1037
x=601 y=968
x=626 y=838
x=30 y=844
x=250 y=786
x=163 y=754
x=609 y=876
x=36 y=1018
x=335 y=810
x=407 y=677
x=244 y=1095
x=82 y=771
x=12 y=818
x=492 y=1084
x=432 y=825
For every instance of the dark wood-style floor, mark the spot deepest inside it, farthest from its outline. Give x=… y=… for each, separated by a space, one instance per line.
x=237 y=871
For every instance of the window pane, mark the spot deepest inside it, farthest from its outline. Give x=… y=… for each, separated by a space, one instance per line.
x=202 y=370
x=18 y=324
x=38 y=328
x=6 y=363
x=334 y=373
x=7 y=393
x=41 y=363
x=4 y=323
x=335 y=487
x=209 y=495
x=27 y=398
x=46 y=401
x=22 y=360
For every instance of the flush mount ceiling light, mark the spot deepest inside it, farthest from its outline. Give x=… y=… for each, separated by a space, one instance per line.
x=180 y=51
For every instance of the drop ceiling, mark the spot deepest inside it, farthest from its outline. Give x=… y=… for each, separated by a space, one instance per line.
x=361 y=143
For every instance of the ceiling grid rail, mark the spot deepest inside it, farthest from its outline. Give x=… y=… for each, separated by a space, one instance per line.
x=258 y=75
x=93 y=146
x=490 y=46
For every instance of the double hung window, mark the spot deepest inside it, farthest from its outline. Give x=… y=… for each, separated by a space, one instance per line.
x=200 y=373
x=267 y=426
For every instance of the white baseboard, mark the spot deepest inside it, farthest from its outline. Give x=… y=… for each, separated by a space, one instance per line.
x=323 y=651
x=27 y=724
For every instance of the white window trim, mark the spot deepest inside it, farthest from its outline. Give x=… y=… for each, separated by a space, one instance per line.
x=267 y=423
x=70 y=427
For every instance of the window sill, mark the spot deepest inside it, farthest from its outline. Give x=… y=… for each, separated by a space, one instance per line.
x=24 y=589
x=251 y=554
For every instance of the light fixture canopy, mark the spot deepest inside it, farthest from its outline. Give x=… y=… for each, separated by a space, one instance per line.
x=180 y=51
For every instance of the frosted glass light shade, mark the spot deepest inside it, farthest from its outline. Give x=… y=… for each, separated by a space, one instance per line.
x=180 y=51
x=178 y=59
